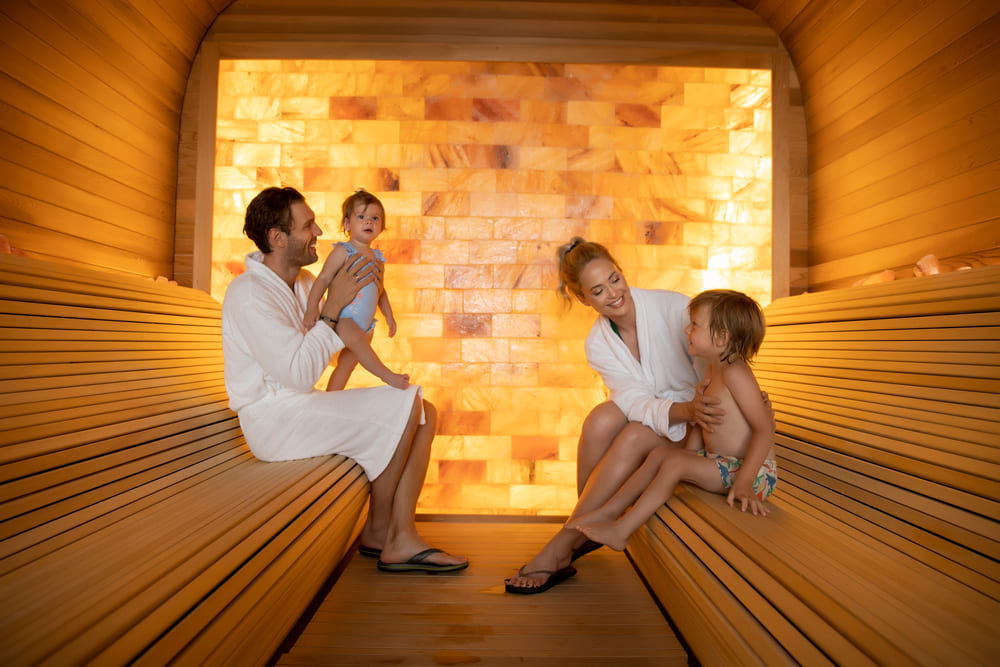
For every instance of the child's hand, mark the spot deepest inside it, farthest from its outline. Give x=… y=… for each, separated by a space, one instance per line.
x=309 y=321
x=390 y=322
x=746 y=498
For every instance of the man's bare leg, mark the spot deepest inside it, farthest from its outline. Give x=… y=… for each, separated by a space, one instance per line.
x=359 y=343
x=391 y=523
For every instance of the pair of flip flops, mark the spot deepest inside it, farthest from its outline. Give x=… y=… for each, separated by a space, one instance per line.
x=417 y=563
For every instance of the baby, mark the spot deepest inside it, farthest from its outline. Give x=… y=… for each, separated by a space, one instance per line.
x=726 y=331
x=363 y=221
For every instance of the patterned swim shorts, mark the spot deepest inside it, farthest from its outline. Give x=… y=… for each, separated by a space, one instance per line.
x=763 y=483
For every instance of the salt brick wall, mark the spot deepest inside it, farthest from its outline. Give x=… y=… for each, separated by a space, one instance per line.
x=484 y=170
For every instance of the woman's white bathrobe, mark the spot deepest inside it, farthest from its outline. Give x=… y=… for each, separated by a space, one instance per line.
x=645 y=390
x=272 y=365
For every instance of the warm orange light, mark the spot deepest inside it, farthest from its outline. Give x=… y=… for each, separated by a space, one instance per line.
x=484 y=170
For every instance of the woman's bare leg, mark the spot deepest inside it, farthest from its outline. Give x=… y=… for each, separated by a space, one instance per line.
x=626 y=454
x=599 y=430
x=629 y=492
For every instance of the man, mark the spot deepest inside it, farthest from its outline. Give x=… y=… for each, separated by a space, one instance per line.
x=272 y=365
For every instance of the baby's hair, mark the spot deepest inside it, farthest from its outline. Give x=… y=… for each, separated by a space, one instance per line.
x=572 y=257
x=363 y=198
x=738 y=315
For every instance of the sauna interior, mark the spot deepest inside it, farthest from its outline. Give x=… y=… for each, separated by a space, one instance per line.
x=779 y=147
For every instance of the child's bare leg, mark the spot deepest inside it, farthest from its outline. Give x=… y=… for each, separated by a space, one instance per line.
x=628 y=493
x=678 y=465
x=346 y=363
x=357 y=341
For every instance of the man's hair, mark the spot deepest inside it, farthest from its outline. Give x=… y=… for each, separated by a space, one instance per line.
x=270 y=208
x=738 y=315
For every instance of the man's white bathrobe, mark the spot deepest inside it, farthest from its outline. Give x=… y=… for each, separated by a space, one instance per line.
x=272 y=365
x=644 y=390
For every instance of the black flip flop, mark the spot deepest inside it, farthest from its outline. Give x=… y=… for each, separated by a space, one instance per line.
x=369 y=552
x=418 y=563
x=556 y=577
x=585 y=548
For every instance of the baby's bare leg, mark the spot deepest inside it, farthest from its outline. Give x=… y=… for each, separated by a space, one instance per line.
x=346 y=363
x=357 y=342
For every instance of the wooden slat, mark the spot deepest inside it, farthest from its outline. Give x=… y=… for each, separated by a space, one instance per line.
x=600 y=616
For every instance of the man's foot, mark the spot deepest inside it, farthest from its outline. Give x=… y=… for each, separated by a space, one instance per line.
x=606 y=532
x=428 y=560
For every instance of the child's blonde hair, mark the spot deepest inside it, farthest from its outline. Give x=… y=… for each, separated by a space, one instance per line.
x=572 y=257
x=738 y=315
x=363 y=198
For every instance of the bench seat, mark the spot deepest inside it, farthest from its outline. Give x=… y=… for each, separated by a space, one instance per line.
x=135 y=525
x=882 y=545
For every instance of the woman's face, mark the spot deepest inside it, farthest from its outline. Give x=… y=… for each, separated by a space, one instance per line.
x=605 y=290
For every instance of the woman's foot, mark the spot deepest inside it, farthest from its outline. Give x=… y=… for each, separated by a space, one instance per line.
x=536 y=572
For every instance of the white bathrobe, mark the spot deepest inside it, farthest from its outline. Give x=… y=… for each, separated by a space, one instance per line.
x=644 y=390
x=272 y=365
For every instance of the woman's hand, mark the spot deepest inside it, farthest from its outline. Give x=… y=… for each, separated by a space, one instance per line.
x=705 y=409
x=346 y=283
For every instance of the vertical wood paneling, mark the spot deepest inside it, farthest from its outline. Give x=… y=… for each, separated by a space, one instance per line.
x=901 y=107
x=901 y=102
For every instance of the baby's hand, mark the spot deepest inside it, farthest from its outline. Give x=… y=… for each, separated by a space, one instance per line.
x=309 y=321
x=391 y=323
x=746 y=498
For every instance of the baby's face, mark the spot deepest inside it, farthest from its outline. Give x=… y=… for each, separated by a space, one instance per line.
x=365 y=223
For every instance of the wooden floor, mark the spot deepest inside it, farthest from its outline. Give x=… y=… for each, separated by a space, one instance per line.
x=602 y=616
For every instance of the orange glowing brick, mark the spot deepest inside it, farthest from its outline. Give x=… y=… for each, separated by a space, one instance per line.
x=517 y=326
x=451 y=422
x=534 y=448
x=441 y=350
x=485 y=350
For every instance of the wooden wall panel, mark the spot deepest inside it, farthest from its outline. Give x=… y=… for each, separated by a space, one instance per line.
x=902 y=105
x=91 y=96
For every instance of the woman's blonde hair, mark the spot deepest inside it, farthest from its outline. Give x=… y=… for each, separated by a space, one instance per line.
x=572 y=257
x=738 y=315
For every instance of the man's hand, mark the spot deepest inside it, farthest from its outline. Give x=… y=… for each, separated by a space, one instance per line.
x=707 y=413
x=346 y=283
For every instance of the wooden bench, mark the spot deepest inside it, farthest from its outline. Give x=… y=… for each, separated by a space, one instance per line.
x=883 y=541
x=135 y=525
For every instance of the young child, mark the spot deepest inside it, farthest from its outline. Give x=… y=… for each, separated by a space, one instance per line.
x=363 y=221
x=726 y=331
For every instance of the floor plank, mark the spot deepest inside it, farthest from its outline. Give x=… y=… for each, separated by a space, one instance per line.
x=602 y=616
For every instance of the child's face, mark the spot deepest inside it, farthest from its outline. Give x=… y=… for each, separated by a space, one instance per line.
x=700 y=341
x=364 y=223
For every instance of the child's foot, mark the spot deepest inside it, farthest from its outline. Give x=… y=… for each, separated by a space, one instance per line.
x=597 y=516
x=397 y=380
x=606 y=532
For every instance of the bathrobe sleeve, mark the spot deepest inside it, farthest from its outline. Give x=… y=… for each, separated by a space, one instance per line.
x=645 y=391
x=264 y=343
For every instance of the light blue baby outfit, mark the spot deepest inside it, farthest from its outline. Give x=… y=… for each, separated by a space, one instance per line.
x=362 y=309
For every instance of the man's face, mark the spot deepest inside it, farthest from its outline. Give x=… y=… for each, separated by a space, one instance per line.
x=301 y=248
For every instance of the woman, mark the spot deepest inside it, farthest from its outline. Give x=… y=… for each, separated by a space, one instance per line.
x=639 y=348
